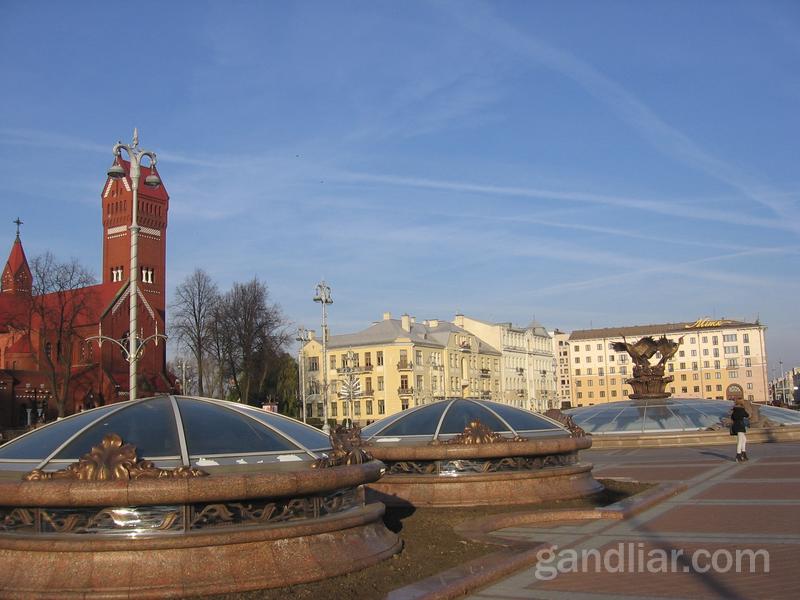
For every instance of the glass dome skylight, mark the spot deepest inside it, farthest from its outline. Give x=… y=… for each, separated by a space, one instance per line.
x=171 y=431
x=447 y=418
x=665 y=415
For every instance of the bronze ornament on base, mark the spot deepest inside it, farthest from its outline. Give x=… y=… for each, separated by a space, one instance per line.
x=110 y=461
x=347 y=448
x=477 y=433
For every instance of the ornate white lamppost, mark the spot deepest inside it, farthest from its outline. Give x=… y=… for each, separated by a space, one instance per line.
x=302 y=338
x=323 y=296
x=135 y=344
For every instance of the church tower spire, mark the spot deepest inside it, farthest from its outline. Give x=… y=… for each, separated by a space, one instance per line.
x=16 y=277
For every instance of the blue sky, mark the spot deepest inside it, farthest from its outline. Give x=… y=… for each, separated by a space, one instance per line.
x=504 y=159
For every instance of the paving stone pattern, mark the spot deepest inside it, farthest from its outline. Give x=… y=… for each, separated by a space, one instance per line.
x=728 y=507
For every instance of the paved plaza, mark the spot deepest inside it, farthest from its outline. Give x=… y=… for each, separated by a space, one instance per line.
x=727 y=507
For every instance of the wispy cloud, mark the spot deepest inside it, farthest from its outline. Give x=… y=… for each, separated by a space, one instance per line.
x=663 y=207
x=666 y=138
x=684 y=269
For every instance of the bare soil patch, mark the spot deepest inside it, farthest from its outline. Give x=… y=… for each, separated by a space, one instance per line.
x=429 y=546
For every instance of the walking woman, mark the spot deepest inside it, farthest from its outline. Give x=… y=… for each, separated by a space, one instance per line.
x=739 y=427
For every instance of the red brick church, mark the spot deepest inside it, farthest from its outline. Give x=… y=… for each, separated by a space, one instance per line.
x=31 y=327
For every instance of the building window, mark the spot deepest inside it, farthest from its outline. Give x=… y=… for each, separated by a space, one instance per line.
x=746 y=338
x=733 y=363
x=419 y=383
x=333 y=409
x=313 y=364
x=379 y=357
x=147 y=275
x=696 y=389
x=369 y=407
x=333 y=361
x=714 y=340
x=577 y=360
x=418 y=357
x=733 y=374
x=731 y=349
x=747 y=350
x=368 y=385
x=403 y=382
x=116 y=274
x=367 y=359
x=381 y=407
x=404 y=403
x=380 y=383
x=357 y=408
x=729 y=337
x=747 y=362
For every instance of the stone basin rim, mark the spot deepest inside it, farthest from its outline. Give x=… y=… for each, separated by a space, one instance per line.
x=491 y=450
x=218 y=487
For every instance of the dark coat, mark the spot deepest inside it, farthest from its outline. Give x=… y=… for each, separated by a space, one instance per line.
x=738 y=415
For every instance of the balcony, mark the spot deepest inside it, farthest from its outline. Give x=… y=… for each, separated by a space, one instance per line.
x=357 y=369
x=520 y=371
x=485 y=373
x=486 y=394
x=405 y=391
x=405 y=365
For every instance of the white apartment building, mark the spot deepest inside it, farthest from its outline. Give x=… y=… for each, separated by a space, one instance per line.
x=528 y=377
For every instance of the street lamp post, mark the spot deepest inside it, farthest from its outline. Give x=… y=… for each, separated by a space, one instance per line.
x=302 y=337
x=135 y=343
x=323 y=296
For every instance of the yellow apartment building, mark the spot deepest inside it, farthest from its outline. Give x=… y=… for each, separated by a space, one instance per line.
x=399 y=363
x=718 y=359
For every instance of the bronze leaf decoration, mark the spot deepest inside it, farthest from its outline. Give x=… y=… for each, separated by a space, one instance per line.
x=111 y=461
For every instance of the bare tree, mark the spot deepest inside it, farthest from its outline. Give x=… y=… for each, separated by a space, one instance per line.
x=247 y=330
x=194 y=309
x=62 y=303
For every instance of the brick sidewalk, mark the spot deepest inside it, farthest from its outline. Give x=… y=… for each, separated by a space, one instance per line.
x=727 y=507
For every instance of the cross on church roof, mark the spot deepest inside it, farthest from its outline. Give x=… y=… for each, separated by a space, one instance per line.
x=18 y=223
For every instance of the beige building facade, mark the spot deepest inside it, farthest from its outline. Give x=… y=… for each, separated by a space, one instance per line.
x=399 y=363
x=561 y=348
x=718 y=359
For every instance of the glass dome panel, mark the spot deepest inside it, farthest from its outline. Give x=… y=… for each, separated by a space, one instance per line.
x=41 y=443
x=210 y=431
x=419 y=422
x=523 y=420
x=463 y=411
x=305 y=435
x=150 y=423
x=669 y=414
x=373 y=428
x=781 y=415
